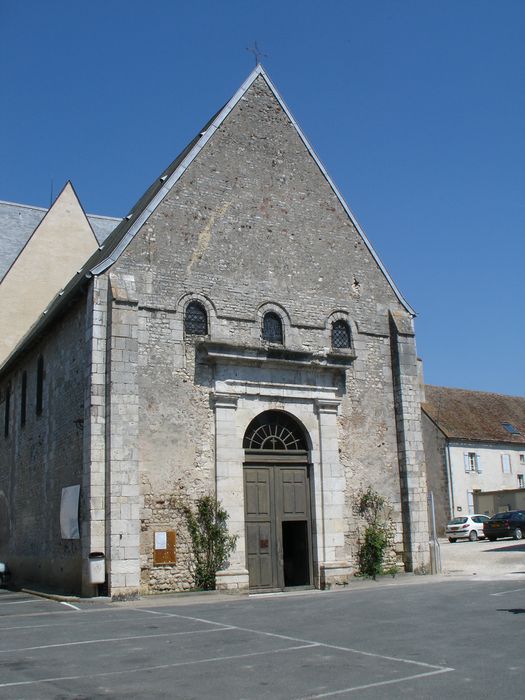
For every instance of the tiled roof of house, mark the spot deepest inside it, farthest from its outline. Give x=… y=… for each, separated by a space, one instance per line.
x=476 y=415
x=18 y=221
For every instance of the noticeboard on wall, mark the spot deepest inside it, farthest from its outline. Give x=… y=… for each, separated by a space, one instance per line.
x=69 y=529
x=164 y=547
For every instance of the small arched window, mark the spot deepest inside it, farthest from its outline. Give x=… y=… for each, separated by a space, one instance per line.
x=195 y=319
x=341 y=334
x=272 y=328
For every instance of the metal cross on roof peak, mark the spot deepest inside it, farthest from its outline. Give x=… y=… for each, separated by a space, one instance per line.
x=257 y=53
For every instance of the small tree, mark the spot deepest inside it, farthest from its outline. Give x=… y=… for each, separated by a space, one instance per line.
x=211 y=543
x=375 y=510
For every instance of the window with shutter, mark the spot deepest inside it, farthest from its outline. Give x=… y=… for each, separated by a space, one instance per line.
x=470 y=501
x=471 y=461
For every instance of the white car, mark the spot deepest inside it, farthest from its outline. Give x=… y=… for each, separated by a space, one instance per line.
x=466 y=526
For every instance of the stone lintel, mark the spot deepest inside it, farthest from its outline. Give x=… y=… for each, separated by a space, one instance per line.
x=225 y=353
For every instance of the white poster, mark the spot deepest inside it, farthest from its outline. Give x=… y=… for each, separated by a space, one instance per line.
x=161 y=540
x=69 y=513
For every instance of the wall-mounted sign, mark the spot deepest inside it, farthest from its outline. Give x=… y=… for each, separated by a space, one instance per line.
x=164 y=547
x=69 y=513
x=161 y=540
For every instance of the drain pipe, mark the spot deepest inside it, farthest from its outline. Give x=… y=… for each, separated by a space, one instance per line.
x=449 y=479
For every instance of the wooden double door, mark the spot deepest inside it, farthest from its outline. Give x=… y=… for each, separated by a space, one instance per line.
x=278 y=525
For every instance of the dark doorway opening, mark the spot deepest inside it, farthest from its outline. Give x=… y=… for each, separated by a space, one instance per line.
x=277 y=503
x=296 y=553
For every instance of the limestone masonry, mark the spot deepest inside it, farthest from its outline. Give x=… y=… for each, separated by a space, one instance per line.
x=235 y=335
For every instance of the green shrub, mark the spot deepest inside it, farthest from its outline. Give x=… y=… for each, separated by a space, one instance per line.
x=211 y=543
x=378 y=535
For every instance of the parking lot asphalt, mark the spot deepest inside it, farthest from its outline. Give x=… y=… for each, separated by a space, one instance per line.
x=503 y=559
x=422 y=638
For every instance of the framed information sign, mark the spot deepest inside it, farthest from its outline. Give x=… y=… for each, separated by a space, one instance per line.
x=164 y=549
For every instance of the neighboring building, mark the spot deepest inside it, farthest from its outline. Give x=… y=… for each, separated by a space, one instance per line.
x=474 y=443
x=236 y=334
x=40 y=250
x=490 y=502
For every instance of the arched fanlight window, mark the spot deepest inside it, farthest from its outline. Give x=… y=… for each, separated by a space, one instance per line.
x=341 y=334
x=195 y=319
x=274 y=430
x=272 y=328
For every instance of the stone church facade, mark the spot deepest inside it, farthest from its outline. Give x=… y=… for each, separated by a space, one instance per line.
x=236 y=334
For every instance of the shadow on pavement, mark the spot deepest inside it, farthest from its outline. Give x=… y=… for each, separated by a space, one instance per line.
x=514 y=611
x=511 y=548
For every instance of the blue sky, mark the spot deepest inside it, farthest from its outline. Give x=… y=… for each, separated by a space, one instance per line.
x=416 y=108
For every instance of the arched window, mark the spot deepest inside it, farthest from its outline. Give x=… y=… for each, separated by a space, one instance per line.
x=341 y=334
x=272 y=328
x=195 y=319
x=274 y=430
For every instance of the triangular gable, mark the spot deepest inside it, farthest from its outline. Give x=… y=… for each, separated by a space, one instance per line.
x=118 y=240
x=140 y=215
x=65 y=236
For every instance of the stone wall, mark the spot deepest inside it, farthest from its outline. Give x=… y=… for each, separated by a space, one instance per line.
x=437 y=479
x=411 y=455
x=41 y=457
x=252 y=226
x=156 y=415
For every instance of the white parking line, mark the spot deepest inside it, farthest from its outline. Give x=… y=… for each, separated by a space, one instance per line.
x=111 y=639
x=67 y=620
x=59 y=611
x=317 y=643
x=512 y=590
x=70 y=605
x=375 y=685
x=299 y=644
x=160 y=667
x=21 y=602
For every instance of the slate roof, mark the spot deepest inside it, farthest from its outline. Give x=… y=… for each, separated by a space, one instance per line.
x=18 y=221
x=475 y=415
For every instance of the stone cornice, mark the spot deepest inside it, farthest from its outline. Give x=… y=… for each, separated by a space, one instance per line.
x=223 y=400
x=327 y=405
x=226 y=353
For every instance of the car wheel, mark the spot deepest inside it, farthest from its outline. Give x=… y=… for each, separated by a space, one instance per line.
x=492 y=539
x=517 y=534
x=473 y=536
x=452 y=539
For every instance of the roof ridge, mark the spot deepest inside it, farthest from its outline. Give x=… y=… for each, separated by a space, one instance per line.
x=46 y=209
x=103 y=216
x=474 y=391
x=24 y=206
